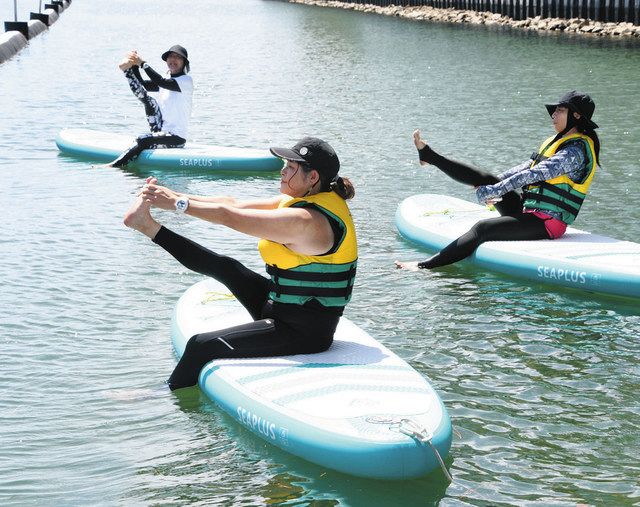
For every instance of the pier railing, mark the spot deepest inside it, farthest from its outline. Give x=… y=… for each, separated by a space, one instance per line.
x=615 y=11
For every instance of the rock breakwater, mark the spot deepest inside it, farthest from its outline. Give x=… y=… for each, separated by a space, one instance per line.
x=426 y=13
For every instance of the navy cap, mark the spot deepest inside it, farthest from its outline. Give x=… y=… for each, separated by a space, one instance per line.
x=315 y=152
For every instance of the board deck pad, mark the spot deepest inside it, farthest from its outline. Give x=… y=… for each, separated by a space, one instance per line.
x=108 y=146
x=343 y=408
x=579 y=259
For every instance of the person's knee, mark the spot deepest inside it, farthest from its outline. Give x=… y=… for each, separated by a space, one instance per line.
x=193 y=345
x=479 y=227
x=208 y=346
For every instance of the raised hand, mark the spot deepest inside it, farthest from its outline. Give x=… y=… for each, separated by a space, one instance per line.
x=158 y=196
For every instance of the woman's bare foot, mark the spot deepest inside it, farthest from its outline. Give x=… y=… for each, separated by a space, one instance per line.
x=419 y=142
x=125 y=64
x=409 y=266
x=139 y=218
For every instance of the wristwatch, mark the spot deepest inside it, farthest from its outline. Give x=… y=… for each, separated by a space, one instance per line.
x=144 y=65
x=182 y=205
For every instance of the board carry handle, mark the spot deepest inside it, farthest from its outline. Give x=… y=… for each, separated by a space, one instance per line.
x=413 y=430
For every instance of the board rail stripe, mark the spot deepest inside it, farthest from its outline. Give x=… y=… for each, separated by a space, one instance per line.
x=337 y=388
x=294 y=369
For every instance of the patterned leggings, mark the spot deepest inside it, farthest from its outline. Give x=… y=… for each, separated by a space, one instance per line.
x=157 y=138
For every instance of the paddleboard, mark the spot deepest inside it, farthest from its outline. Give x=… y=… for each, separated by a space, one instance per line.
x=578 y=260
x=108 y=146
x=356 y=408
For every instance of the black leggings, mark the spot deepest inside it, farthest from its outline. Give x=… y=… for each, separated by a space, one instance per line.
x=157 y=138
x=148 y=142
x=278 y=329
x=512 y=225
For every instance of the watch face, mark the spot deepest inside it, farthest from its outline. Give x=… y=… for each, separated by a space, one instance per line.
x=181 y=204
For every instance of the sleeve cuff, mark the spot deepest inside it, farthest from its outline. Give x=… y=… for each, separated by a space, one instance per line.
x=425 y=154
x=482 y=194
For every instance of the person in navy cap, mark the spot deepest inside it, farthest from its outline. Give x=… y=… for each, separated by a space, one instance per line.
x=168 y=114
x=307 y=240
x=536 y=199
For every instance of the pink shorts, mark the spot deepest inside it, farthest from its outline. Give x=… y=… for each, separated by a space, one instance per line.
x=555 y=228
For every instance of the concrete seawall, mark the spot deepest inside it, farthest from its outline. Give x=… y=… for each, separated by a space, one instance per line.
x=426 y=13
x=10 y=44
x=18 y=33
x=36 y=27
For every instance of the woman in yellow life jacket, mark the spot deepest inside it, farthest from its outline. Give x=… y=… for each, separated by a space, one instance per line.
x=536 y=199
x=307 y=240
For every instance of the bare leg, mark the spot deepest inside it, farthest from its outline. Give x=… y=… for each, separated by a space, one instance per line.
x=139 y=218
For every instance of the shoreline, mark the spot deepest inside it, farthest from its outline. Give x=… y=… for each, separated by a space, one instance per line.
x=578 y=26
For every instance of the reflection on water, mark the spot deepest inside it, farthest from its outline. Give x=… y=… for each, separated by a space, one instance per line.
x=540 y=382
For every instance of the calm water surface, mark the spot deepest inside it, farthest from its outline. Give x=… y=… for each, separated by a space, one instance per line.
x=541 y=384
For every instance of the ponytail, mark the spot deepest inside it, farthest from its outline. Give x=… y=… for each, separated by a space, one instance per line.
x=343 y=187
x=587 y=129
x=596 y=142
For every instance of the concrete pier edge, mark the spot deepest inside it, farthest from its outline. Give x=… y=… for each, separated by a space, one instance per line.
x=14 y=39
x=10 y=44
x=53 y=16
x=36 y=27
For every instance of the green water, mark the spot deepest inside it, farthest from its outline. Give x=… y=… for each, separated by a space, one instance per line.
x=541 y=384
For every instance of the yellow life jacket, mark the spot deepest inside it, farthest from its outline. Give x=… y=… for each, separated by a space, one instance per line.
x=561 y=194
x=328 y=278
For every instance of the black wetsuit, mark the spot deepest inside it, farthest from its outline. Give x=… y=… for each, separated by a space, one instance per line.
x=512 y=225
x=278 y=329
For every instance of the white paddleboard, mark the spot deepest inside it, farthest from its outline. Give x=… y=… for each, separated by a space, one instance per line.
x=579 y=259
x=193 y=157
x=356 y=408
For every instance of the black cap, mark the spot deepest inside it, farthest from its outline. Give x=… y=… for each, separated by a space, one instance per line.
x=180 y=51
x=313 y=151
x=577 y=102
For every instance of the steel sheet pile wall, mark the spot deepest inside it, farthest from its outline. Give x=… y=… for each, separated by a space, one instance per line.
x=616 y=11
